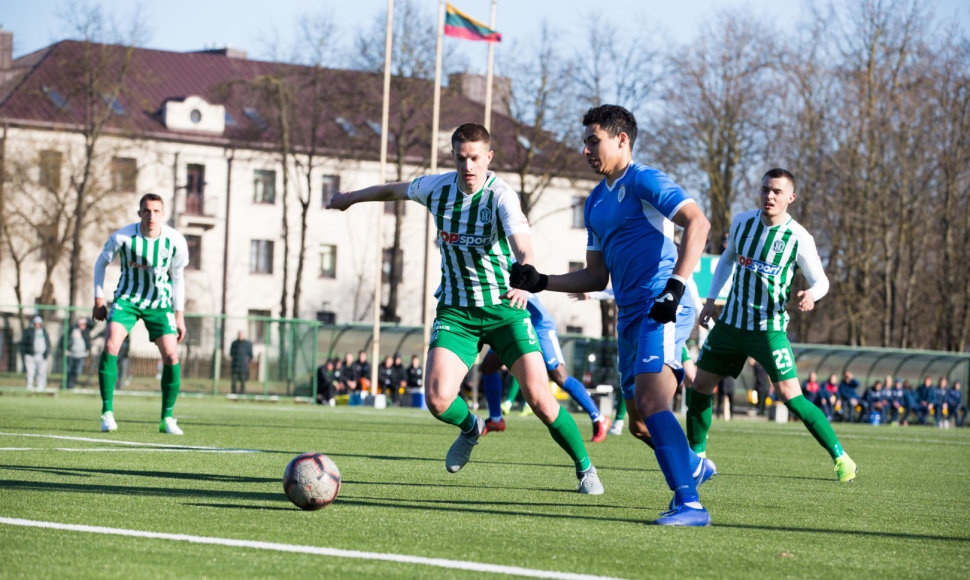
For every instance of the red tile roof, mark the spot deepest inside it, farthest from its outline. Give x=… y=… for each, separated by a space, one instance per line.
x=156 y=76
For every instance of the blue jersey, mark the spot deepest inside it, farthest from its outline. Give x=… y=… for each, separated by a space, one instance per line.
x=630 y=224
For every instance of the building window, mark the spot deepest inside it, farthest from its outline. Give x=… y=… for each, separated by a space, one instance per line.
x=261 y=257
x=258 y=325
x=388 y=255
x=50 y=170
x=331 y=185
x=264 y=186
x=574 y=266
x=328 y=261
x=124 y=172
x=327 y=317
x=579 y=204
x=391 y=206
x=574 y=329
x=194 y=189
x=194 y=244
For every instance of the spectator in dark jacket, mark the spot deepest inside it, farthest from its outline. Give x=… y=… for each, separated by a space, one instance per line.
x=925 y=400
x=848 y=395
x=240 y=355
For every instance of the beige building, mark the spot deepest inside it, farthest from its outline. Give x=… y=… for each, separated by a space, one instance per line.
x=201 y=130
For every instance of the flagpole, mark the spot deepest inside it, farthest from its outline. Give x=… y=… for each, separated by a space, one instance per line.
x=385 y=108
x=488 y=75
x=435 y=112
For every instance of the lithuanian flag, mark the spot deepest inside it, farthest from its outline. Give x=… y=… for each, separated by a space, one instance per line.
x=461 y=25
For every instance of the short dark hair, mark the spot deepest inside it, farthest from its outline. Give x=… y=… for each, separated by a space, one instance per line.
x=470 y=133
x=613 y=119
x=149 y=197
x=778 y=172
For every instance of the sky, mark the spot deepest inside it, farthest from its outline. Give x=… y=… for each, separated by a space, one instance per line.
x=250 y=25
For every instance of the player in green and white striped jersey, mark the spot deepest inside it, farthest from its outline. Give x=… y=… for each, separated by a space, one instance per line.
x=153 y=257
x=767 y=245
x=482 y=232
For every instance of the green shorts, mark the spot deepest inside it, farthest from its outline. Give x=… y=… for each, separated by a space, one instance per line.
x=158 y=321
x=727 y=348
x=464 y=330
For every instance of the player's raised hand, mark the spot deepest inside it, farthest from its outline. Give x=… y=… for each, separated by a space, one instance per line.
x=340 y=200
x=525 y=277
x=665 y=306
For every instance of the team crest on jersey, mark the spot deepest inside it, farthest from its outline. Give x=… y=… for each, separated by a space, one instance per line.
x=485 y=215
x=778 y=246
x=621 y=193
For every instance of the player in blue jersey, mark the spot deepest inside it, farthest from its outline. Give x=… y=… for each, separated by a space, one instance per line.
x=630 y=218
x=545 y=327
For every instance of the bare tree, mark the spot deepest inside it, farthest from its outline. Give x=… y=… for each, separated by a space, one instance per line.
x=716 y=92
x=412 y=57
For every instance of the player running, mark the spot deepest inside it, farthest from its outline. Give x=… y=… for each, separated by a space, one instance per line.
x=482 y=233
x=630 y=218
x=545 y=327
x=151 y=288
x=768 y=245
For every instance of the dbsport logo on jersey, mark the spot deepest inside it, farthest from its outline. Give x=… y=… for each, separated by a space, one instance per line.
x=759 y=266
x=457 y=239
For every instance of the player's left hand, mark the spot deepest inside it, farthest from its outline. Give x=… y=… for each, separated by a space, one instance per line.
x=665 y=306
x=180 y=326
x=517 y=298
x=526 y=277
x=806 y=301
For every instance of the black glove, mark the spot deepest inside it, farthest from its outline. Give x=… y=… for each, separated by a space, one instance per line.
x=525 y=277
x=665 y=306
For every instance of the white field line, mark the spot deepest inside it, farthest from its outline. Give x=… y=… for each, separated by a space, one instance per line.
x=156 y=446
x=315 y=550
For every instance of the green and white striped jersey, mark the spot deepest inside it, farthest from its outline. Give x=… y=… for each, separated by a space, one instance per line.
x=151 y=268
x=473 y=233
x=767 y=257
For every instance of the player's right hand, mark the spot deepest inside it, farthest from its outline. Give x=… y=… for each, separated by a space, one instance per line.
x=100 y=312
x=339 y=200
x=525 y=277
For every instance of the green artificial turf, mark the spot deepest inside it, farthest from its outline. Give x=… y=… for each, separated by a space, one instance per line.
x=777 y=509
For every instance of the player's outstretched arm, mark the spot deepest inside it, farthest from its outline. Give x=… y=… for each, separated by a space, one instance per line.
x=384 y=192
x=593 y=278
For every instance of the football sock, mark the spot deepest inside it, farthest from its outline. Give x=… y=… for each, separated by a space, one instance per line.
x=107 y=378
x=457 y=414
x=579 y=394
x=492 y=385
x=566 y=434
x=171 y=381
x=513 y=390
x=620 y=408
x=673 y=455
x=700 y=413
x=816 y=423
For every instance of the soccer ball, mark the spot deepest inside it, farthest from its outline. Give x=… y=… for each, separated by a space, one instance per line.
x=311 y=481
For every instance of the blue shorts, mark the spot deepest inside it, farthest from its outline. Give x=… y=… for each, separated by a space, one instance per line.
x=645 y=346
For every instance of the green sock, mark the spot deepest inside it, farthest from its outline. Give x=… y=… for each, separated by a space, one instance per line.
x=700 y=413
x=816 y=423
x=513 y=390
x=107 y=378
x=620 y=408
x=171 y=380
x=458 y=415
x=566 y=434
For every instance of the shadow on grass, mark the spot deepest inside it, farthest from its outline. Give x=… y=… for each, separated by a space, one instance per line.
x=76 y=471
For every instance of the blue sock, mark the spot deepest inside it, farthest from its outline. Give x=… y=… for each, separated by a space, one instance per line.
x=492 y=385
x=673 y=454
x=578 y=392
